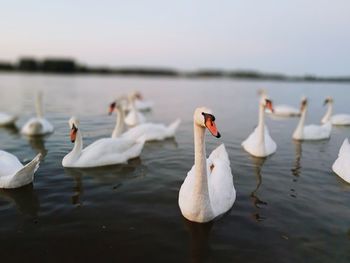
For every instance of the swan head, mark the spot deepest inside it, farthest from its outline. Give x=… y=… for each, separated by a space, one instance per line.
x=328 y=100
x=204 y=117
x=73 y=125
x=136 y=95
x=303 y=103
x=266 y=103
x=117 y=104
x=261 y=92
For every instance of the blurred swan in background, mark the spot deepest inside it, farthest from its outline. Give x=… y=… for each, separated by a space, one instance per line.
x=341 y=166
x=140 y=103
x=281 y=110
x=148 y=131
x=208 y=189
x=259 y=143
x=7 y=119
x=106 y=151
x=134 y=117
x=310 y=132
x=13 y=174
x=337 y=119
x=37 y=125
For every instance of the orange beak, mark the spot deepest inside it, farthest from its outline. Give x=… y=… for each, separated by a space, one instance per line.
x=73 y=133
x=210 y=124
x=111 y=108
x=269 y=105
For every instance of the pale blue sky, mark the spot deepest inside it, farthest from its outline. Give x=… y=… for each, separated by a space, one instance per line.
x=294 y=37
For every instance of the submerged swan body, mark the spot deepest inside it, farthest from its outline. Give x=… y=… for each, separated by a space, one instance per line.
x=107 y=151
x=37 y=125
x=259 y=143
x=341 y=166
x=208 y=189
x=310 y=132
x=13 y=174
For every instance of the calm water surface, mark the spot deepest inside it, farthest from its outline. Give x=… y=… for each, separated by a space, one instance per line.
x=290 y=207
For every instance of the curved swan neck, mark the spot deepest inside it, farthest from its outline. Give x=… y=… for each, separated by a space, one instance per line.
x=200 y=163
x=298 y=133
x=78 y=147
x=119 y=125
x=39 y=106
x=261 y=124
x=328 y=113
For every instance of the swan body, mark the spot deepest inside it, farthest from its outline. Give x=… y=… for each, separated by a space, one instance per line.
x=285 y=111
x=337 y=119
x=208 y=190
x=310 y=132
x=147 y=131
x=259 y=143
x=342 y=165
x=37 y=125
x=13 y=174
x=106 y=151
x=152 y=131
x=7 y=119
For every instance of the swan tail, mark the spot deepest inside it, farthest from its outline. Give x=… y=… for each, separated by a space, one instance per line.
x=173 y=127
x=26 y=174
x=345 y=148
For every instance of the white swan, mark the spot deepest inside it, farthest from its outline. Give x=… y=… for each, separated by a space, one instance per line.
x=280 y=110
x=37 y=125
x=259 y=143
x=140 y=103
x=148 y=131
x=13 y=174
x=134 y=117
x=208 y=189
x=341 y=166
x=107 y=151
x=7 y=119
x=310 y=132
x=337 y=119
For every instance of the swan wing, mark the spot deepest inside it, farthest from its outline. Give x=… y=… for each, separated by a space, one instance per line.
x=220 y=181
x=109 y=151
x=9 y=164
x=150 y=131
x=342 y=165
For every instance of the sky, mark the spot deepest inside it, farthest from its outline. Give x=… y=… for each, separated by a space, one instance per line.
x=292 y=37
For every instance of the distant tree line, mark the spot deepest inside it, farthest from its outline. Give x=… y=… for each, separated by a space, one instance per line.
x=69 y=66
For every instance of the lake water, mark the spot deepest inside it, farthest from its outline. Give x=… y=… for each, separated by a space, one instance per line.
x=290 y=207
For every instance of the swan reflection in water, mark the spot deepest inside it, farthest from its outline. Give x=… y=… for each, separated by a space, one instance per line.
x=298 y=152
x=24 y=198
x=10 y=129
x=257 y=202
x=199 y=237
x=113 y=175
x=37 y=143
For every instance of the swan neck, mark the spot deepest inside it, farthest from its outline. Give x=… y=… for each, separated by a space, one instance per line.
x=261 y=124
x=200 y=163
x=298 y=133
x=39 y=106
x=119 y=125
x=328 y=113
x=78 y=146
